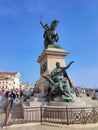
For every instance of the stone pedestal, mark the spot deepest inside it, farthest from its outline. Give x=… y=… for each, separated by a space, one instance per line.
x=47 y=61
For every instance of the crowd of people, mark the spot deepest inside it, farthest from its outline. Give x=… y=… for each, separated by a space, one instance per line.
x=7 y=96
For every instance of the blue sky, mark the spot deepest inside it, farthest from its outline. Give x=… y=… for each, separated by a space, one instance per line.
x=21 y=37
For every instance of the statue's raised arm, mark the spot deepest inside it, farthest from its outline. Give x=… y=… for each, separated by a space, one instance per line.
x=46 y=27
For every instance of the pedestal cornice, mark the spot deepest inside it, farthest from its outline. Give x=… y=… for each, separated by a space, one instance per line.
x=52 y=51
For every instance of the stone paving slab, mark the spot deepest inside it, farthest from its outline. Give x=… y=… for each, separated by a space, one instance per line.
x=2 y=118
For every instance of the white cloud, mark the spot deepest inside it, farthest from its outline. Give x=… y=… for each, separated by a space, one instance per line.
x=31 y=6
x=7 y=11
x=40 y=7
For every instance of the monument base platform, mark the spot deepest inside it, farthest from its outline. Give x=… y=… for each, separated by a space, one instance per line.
x=36 y=107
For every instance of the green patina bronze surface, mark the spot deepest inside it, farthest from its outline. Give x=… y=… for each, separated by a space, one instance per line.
x=59 y=83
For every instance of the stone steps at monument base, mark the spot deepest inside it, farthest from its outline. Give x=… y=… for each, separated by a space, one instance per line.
x=82 y=101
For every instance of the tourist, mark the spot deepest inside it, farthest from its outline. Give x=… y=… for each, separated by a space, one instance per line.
x=6 y=100
x=12 y=96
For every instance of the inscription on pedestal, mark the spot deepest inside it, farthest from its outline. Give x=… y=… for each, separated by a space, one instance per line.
x=43 y=68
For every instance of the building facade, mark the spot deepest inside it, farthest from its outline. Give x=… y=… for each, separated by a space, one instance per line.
x=9 y=80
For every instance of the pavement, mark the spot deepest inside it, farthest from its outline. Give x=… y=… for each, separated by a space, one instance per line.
x=2 y=118
x=31 y=126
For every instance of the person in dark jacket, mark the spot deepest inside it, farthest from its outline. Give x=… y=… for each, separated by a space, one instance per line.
x=12 y=96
